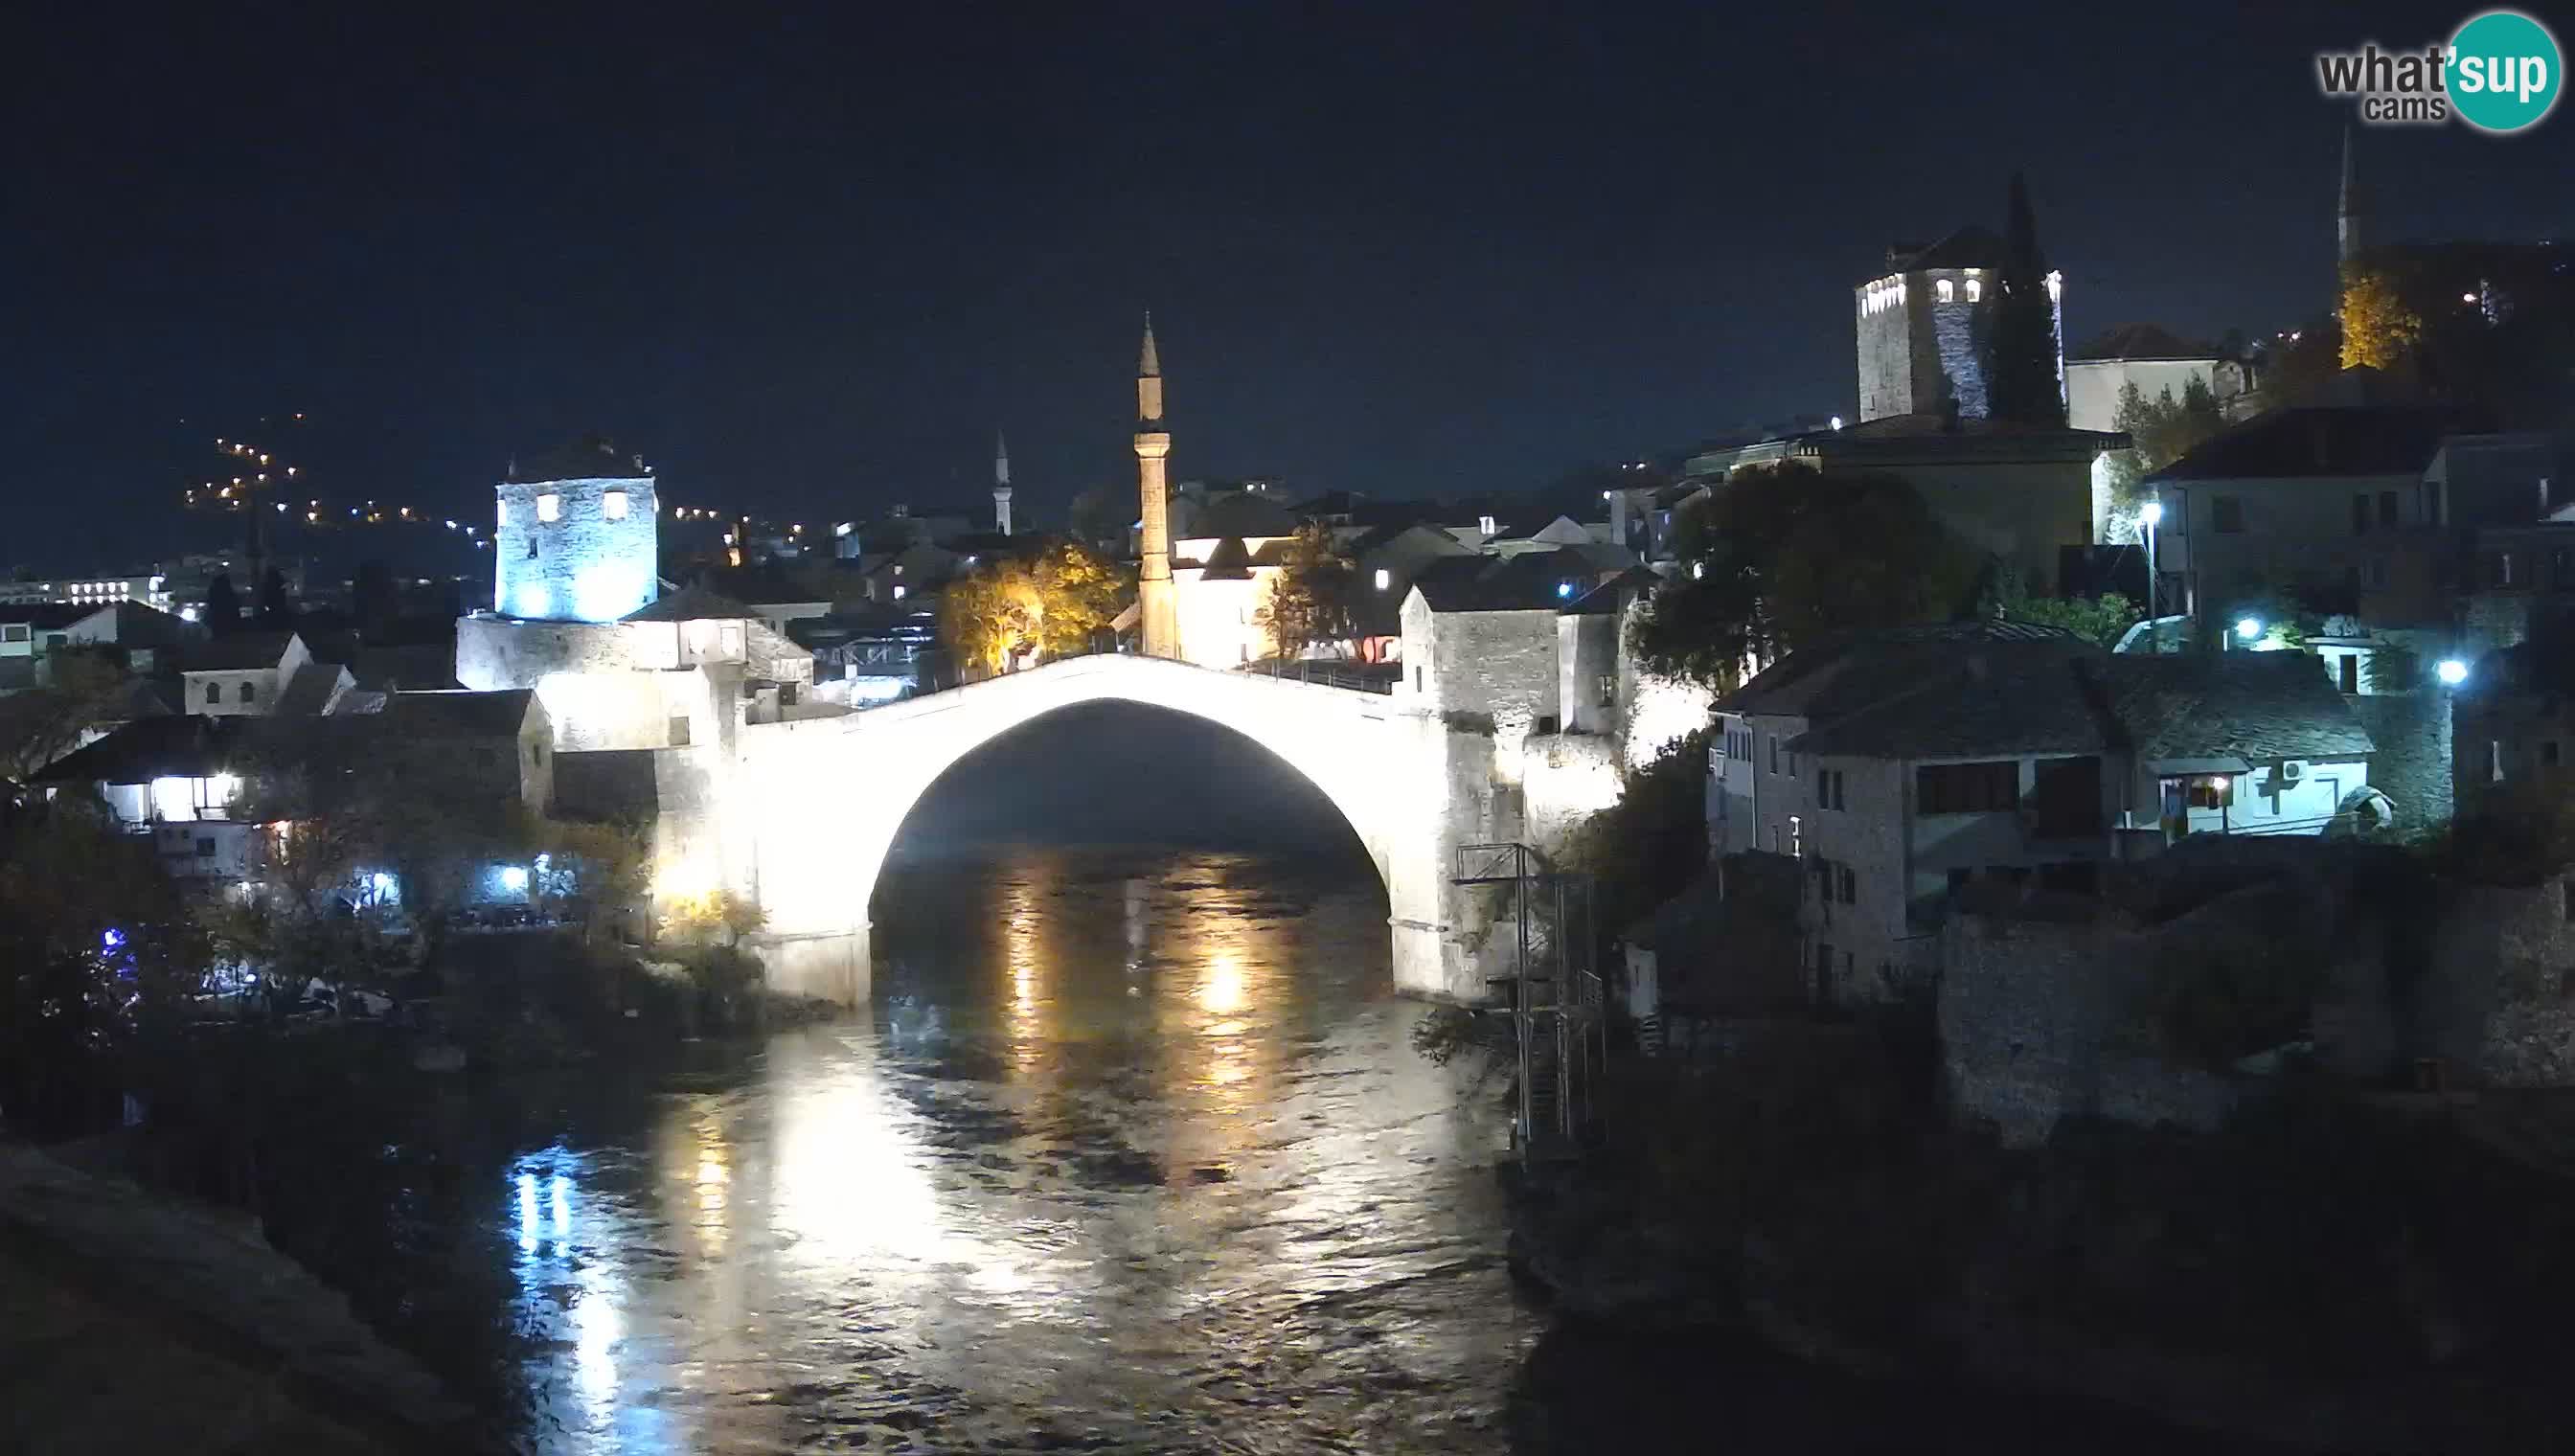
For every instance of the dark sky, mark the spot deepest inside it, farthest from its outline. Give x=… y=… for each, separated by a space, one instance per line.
x=808 y=264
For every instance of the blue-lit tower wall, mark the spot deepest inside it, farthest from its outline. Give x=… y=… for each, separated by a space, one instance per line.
x=574 y=551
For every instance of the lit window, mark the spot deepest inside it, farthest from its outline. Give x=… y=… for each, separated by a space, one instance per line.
x=505 y=513
x=1947 y=290
x=1484 y=523
x=550 y=507
x=613 y=504
x=898 y=594
x=1975 y=290
x=1385 y=579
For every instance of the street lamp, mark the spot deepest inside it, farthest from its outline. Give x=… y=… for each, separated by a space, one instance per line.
x=2248 y=628
x=2451 y=671
x=2153 y=516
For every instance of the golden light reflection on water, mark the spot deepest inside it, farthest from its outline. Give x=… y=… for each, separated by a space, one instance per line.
x=1023 y=959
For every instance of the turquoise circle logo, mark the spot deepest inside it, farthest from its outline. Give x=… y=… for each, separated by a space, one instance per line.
x=2504 y=71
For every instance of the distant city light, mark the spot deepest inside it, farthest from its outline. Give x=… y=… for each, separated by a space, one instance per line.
x=1565 y=589
x=514 y=877
x=2153 y=512
x=2248 y=628
x=1837 y=422
x=2451 y=671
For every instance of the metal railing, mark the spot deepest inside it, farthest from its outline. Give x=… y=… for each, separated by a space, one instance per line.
x=1324 y=675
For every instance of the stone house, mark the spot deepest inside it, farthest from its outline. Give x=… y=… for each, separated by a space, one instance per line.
x=2513 y=718
x=1903 y=768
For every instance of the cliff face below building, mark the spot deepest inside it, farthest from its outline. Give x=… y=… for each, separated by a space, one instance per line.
x=2321 y=1274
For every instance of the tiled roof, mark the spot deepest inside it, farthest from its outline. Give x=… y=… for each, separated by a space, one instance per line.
x=2375 y=440
x=590 y=457
x=1856 y=669
x=458 y=713
x=1532 y=580
x=2258 y=706
x=240 y=652
x=1961 y=702
x=691 y=603
x=1242 y=512
x=1968 y=247
x=46 y=615
x=309 y=691
x=2140 y=340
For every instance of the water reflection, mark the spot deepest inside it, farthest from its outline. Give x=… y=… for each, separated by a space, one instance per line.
x=1132 y=1155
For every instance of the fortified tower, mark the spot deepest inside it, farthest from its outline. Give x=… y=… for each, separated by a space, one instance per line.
x=1918 y=324
x=1000 y=484
x=1157 y=611
x=577 y=535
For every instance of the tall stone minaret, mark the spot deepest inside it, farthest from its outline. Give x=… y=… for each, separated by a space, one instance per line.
x=1000 y=484
x=1157 y=613
x=2348 y=211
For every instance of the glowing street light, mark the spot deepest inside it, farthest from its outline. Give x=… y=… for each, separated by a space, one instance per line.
x=2248 y=628
x=2451 y=671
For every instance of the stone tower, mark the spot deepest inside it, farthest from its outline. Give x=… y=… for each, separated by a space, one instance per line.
x=2347 y=208
x=1919 y=320
x=1000 y=484
x=1157 y=611
x=577 y=538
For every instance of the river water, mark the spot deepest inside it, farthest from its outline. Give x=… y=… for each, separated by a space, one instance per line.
x=1131 y=1153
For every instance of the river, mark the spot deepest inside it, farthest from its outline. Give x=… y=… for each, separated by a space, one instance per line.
x=1131 y=1153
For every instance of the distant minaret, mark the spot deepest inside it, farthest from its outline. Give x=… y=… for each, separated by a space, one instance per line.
x=1000 y=484
x=2347 y=213
x=1158 y=617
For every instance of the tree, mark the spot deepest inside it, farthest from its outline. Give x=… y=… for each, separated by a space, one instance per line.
x=988 y=614
x=373 y=595
x=1079 y=595
x=2378 y=327
x=2159 y=432
x=272 y=599
x=1103 y=516
x=2020 y=341
x=1783 y=556
x=44 y=723
x=97 y=954
x=2102 y=619
x=223 y=606
x=1309 y=599
x=1053 y=604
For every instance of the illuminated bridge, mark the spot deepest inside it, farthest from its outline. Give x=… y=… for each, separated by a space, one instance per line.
x=812 y=806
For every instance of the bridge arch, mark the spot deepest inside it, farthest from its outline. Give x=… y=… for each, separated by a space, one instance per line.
x=817 y=803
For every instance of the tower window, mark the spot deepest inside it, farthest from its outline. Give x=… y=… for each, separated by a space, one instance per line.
x=613 y=504
x=1975 y=290
x=505 y=513
x=1947 y=290
x=1385 y=579
x=550 y=507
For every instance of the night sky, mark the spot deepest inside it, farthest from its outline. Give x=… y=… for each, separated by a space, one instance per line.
x=807 y=266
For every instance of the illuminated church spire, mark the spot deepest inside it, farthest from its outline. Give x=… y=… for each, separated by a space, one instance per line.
x=1000 y=484
x=1158 y=611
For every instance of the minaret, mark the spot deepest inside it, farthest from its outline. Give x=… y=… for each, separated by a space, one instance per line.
x=1000 y=484
x=1157 y=613
x=2347 y=213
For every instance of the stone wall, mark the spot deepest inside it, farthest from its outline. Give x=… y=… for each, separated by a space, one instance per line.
x=2411 y=763
x=2496 y=1004
x=2032 y=1021
x=1564 y=780
x=582 y=565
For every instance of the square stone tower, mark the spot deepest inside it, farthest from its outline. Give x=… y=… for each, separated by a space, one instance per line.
x=578 y=538
x=1920 y=322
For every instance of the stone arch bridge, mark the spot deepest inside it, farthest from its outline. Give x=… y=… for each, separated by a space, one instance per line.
x=808 y=810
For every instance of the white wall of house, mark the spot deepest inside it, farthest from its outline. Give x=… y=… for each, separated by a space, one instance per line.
x=2093 y=386
x=2297 y=797
x=1220 y=619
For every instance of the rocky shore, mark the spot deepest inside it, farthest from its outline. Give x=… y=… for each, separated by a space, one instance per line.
x=132 y=1323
